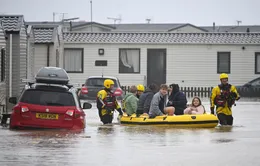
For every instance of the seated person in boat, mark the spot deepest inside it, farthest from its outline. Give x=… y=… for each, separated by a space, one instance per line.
x=177 y=101
x=195 y=107
x=140 y=90
x=145 y=100
x=158 y=102
x=129 y=103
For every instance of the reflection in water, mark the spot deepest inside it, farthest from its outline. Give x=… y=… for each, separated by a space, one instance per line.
x=49 y=138
x=223 y=140
x=50 y=133
x=135 y=129
x=106 y=130
x=223 y=129
x=135 y=145
x=45 y=147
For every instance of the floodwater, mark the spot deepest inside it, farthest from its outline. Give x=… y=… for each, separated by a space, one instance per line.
x=138 y=145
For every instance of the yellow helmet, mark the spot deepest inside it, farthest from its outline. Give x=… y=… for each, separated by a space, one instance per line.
x=140 y=87
x=223 y=75
x=108 y=83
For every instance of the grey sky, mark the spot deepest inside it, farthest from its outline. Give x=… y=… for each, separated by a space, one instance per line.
x=197 y=12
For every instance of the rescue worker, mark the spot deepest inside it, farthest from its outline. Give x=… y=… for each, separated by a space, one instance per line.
x=107 y=103
x=223 y=97
x=140 y=90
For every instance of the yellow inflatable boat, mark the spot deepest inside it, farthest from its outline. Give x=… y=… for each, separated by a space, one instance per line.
x=196 y=121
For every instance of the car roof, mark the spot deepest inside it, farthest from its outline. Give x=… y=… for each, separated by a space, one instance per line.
x=109 y=77
x=254 y=80
x=43 y=86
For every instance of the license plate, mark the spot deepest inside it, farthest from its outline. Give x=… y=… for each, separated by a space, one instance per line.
x=47 y=116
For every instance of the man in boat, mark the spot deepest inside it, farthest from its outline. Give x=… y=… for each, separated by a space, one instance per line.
x=140 y=90
x=129 y=103
x=223 y=97
x=145 y=100
x=177 y=101
x=107 y=103
x=158 y=102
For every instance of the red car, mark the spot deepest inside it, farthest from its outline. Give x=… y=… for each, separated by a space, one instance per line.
x=49 y=103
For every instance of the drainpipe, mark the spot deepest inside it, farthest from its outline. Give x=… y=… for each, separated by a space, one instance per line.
x=28 y=57
x=48 y=55
x=10 y=66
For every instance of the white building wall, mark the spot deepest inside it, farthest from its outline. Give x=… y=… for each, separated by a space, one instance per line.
x=188 y=65
x=40 y=56
x=196 y=65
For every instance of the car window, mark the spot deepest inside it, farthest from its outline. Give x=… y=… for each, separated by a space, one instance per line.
x=50 y=98
x=255 y=82
x=119 y=85
x=99 y=82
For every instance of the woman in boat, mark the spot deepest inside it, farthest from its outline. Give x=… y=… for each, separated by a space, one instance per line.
x=196 y=107
x=177 y=101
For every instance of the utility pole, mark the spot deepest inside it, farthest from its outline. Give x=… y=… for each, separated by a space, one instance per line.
x=63 y=14
x=53 y=16
x=91 y=13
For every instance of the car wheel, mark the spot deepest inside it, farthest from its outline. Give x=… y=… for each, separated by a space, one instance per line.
x=11 y=127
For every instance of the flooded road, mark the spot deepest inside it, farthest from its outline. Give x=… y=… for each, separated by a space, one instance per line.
x=138 y=145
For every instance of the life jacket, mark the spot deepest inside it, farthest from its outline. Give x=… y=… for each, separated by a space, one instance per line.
x=110 y=100
x=224 y=97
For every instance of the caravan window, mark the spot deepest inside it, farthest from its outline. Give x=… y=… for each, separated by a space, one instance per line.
x=129 y=60
x=257 y=63
x=223 y=62
x=73 y=60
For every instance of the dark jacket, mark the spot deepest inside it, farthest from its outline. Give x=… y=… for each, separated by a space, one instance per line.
x=177 y=99
x=145 y=101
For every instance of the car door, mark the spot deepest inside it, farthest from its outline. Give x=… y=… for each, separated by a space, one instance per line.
x=254 y=88
x=250 y=89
